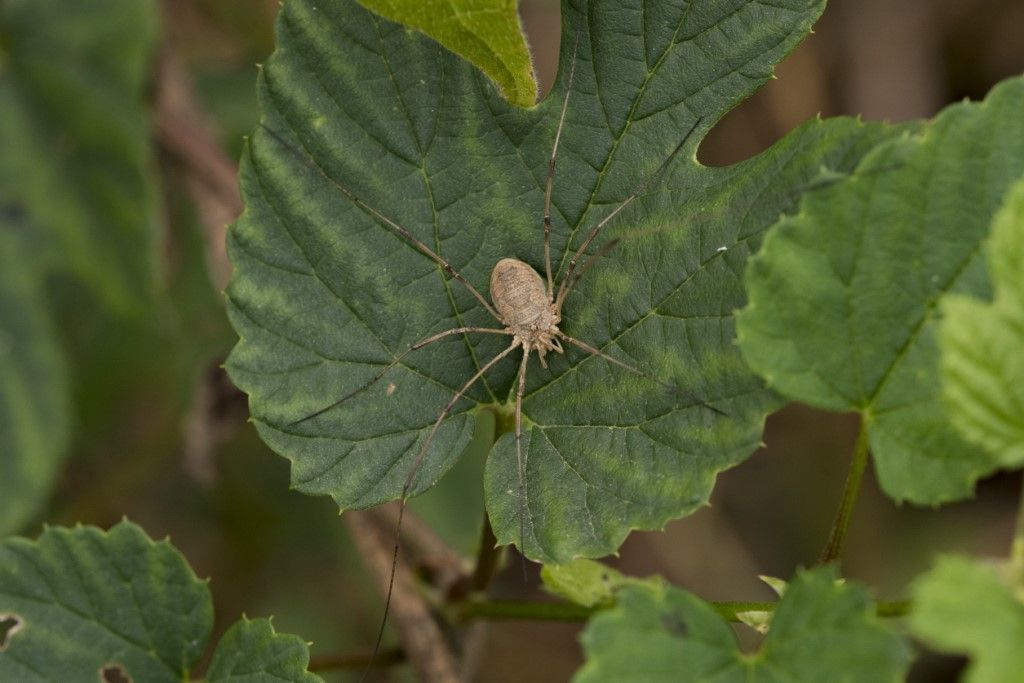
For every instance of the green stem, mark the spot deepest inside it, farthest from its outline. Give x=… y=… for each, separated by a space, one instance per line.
x=853 y=480
x=489 y=553
x=486 y=559
x=1017 y=547
x=500 y=610
x=508 y=610
x=893 y=608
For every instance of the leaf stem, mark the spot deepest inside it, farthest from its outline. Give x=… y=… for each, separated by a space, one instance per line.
x=490 y=552
x=517 y=610
x=512 y=610
x=1017 y=546
x=852 y=489
x=487 y=558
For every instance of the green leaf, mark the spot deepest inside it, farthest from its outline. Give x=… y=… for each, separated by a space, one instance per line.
x=982 y=343
x=85 y=605
x=89 y=599
x=74 y=137
x=845 y=297
x=324 y=295
x=252 y=651
x=34 y=393
x=587 y=582
x=822 y=630
x=486 y=32
x=964 y=606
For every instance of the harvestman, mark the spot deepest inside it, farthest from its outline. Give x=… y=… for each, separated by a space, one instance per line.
x=528 y=307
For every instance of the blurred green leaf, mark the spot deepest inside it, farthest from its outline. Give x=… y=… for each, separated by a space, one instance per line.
x=485 y=32
x=587 y=582
x=252 y=651
x=845 y=296
x=34 y=392
x=88 y=599
x=324 y=296
x=821 y=631
x=963 y=606
x=80 y=602
x=76 y=158
x=983 y=345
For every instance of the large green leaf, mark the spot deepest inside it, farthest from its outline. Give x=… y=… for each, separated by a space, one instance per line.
x=324 y=296
x=983 y=345
x=845 y=297
x=486 y=32
x=964 y=606
x=821 y=631
x=34 y=393
x=75 y=158
x=86 y=605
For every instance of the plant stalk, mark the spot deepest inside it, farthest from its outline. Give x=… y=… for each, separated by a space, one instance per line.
x=509 y=610
x=853 y=479
x=489 y=554
x=487 y=558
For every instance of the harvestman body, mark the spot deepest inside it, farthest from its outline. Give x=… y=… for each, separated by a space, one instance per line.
x=526 y=305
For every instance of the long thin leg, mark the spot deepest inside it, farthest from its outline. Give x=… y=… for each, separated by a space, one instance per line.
x=520 y=465
x=387 y=222
x=562 y=289
x=398 y=359
x=589 y=263
x=551 y=172
x=631 y=368
x=412 y=476
x=602 y=251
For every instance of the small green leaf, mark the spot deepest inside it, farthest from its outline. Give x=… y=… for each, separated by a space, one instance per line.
x=845 y=297
x=325 y=295
x=587 y=582
x=34 y=393
x=821 y=631
x=75 y=144
x=964 y=606
x=983 y=345
x=84 y=605
x=252 y=651
x=486 y=32
x=89 y=599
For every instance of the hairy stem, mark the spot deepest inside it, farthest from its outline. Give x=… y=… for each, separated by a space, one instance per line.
x=497 y=610
x=853 y=480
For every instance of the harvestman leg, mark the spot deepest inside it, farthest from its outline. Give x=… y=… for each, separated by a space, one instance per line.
x=564 y=288
x=454 y=274
x=398 y=359
x=387 y=222
x=551 y=173
x=412 y=475
x=631 y=368
x=520 y=465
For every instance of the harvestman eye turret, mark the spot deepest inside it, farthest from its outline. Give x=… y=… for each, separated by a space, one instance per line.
x=528 y=307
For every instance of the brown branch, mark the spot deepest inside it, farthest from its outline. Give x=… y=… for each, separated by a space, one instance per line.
x=185 y=132
x=445 y=567
x=422 y=640
x=357 y=660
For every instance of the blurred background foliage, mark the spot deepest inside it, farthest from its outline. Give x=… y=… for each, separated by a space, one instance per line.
x=155 y=432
